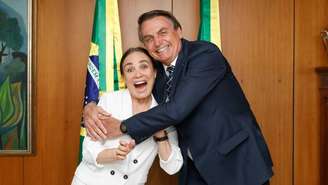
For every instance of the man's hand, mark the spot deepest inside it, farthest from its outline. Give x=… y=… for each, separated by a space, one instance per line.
x=112 y=125
x=92 y=115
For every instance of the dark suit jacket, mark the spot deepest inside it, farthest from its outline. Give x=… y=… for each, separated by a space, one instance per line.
x=212 y=116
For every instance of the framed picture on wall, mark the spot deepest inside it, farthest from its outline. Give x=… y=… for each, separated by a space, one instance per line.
x=15 y=76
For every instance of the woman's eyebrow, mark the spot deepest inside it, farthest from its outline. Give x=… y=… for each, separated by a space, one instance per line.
x=144 y=61
x=127 y=64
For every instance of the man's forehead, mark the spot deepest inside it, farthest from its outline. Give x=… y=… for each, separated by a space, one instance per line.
x=155 y=24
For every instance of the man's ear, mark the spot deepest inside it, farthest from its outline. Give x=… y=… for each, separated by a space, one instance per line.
x=179 y=30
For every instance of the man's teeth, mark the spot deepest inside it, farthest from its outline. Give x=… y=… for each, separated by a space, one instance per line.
x=161 y=49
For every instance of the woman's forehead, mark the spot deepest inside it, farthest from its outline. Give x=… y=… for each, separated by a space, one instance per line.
x=136 y=57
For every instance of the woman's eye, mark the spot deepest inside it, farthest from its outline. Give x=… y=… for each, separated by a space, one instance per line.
x=144 y=66
x=129 y=70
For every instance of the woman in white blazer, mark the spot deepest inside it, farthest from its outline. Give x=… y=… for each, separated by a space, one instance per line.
x=118 y=161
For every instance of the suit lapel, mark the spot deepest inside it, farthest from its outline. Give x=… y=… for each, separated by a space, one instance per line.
x=178 y=68
x=159 y=88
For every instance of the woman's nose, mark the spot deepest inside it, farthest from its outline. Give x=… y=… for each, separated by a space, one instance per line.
x=138 y=73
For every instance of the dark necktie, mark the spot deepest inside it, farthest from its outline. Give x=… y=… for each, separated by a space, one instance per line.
x=168 y=87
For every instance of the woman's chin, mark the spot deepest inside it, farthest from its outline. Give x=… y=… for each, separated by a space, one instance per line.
x=141 y=94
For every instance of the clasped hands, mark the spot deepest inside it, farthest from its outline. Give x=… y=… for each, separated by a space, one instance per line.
x=100 y=125
x=114 y=154
x=122 y=150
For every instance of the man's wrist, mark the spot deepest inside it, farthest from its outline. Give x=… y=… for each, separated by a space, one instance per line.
x=123 y=128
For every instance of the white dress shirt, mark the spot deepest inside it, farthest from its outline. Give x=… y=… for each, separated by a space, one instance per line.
x=172 y=64
x=134 y=169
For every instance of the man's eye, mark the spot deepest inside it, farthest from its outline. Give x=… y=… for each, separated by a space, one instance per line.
x=163 y=32
x=147 y=40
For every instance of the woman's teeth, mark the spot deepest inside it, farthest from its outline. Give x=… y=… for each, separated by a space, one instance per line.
x=140 y=84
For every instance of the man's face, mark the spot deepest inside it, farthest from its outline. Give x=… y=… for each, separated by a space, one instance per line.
x=162 y=41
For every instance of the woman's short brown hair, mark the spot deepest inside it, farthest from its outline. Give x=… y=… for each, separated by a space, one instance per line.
x=133 y=50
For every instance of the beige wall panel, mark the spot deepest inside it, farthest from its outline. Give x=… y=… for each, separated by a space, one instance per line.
x=130 y=10
x=63 y=37
x=11 y=172
x=187 y=12
x=257 y=39
x=310 y=18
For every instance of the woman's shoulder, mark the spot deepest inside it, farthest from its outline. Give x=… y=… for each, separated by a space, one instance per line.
x=153 y=101
x=113 y=99
x=114 y=94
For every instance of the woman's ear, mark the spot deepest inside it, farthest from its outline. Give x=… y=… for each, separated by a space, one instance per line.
x=123 y=79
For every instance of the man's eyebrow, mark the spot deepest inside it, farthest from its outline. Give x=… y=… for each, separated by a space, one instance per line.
x=147 y=36
x=162 y=29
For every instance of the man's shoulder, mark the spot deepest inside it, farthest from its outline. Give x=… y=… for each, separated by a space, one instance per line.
x=199 y=45
x=193 y=49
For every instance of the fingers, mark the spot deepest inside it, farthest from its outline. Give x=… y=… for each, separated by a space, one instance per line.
x=93 y=124
x=124 y=149
x=128 y=144
x=112 y=126
x=132 y=143
x=99 y=128
x=91 y=131
x=102 y=112
x=93 y=127
x=91 y=135
x=119 y=155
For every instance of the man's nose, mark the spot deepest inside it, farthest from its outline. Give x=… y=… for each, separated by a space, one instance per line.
x=157 y=41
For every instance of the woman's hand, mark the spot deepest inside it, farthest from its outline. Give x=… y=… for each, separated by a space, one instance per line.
x=115 y=154
x=91 y=116
x=123 y=149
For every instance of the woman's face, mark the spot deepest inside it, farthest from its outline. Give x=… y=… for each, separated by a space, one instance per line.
x=139 y=75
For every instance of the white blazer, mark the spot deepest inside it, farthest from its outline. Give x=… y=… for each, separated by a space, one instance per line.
x=134 y=169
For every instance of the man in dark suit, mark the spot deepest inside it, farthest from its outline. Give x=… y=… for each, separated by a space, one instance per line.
x=220 y=139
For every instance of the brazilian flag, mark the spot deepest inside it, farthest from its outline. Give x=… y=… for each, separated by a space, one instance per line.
x=105 y=52
x=209 y=29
